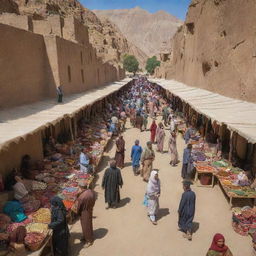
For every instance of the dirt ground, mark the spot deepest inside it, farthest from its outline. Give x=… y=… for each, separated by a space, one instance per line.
x=127 y=231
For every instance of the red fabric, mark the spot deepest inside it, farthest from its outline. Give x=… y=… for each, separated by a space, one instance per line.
x=215 y=247
x=153 y=131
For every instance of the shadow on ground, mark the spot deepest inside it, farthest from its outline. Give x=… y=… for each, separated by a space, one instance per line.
x=162 y=213
x=124 y=202
x=76 y=245
x=100 y=233
x=195 y=227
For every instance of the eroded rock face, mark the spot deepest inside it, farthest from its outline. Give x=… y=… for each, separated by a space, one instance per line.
x=110 y=43
x=147 y=31
x=216 y=48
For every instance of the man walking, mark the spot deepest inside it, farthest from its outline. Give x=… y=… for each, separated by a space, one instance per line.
x=187 y=161
x=148 y=156
x=187 y=210
x=86 y=202
x=135 y=156
x=111 y=182
x=120 y=152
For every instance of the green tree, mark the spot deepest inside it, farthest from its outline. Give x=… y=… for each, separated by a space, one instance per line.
x=131 y=64
x=152 y=63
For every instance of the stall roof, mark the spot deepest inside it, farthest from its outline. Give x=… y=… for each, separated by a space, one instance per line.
x=238 y=115
x=20 y=121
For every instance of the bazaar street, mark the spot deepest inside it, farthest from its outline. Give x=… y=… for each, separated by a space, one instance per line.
x=127 y=231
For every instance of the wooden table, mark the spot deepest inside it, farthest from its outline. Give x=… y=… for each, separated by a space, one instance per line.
x=231 y=196
x=197 y=182
x=47 y=242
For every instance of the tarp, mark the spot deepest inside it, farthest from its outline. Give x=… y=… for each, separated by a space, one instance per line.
x=20 y=121
x=238 y=115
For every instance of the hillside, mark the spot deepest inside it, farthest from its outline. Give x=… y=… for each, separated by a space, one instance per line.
x=215 y=48
x=110 y=43
x=147 y=31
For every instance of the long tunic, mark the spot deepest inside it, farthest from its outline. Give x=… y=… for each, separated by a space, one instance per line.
x=86 y=202
x=136 y=155
x=160 y=139
x=173 y=149
x=120 y=149
x=187 y=210
x=187 y=163
x=60 y=233
x=111 y=181
x=153 y=128
x=147 y=159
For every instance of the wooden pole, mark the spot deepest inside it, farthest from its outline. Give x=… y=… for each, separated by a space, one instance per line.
x=230 y=146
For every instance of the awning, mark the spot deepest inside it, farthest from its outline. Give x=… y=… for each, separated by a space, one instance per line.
x=18 y=122
x=238 y=115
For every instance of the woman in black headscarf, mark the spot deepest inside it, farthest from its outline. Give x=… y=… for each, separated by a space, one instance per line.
x=59 y=226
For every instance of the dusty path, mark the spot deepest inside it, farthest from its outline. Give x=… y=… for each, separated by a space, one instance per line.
x=126 y=231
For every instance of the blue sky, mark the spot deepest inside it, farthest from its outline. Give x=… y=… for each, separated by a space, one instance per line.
x=177 y=8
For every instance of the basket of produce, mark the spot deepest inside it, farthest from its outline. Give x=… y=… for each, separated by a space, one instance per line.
x=43 y=215
x=34 y=240
x=37 y=227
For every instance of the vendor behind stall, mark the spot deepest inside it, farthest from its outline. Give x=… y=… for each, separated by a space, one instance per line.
x=27 y=168
x=85 y=162
x=21 y=194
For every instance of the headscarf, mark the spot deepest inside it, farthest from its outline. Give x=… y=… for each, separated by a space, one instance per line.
x=57 y=204
x=215 y=247
x=153 y=184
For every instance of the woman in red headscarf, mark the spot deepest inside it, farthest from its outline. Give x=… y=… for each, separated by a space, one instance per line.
x=218 y=247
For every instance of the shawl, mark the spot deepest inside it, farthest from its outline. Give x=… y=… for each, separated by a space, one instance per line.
x=215 y=247
x=153 y=184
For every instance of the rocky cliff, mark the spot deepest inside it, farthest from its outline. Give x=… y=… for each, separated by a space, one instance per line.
x=215 y=48
x=146 y=30
x=110 y=43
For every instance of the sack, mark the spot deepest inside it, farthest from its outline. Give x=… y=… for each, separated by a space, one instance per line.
x=145 y=201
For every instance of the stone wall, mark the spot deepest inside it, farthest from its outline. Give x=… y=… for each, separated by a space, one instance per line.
x=215 y=48
x=25 y=69
x=53 y=52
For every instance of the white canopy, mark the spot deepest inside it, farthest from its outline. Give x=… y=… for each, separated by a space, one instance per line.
x=20 y=121
x=238 y=115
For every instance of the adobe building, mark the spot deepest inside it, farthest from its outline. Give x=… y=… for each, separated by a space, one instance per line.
x=36 y=56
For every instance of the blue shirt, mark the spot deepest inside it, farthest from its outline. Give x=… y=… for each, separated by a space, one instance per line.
x=187 y=157
x=84 y=159
x=136 y=155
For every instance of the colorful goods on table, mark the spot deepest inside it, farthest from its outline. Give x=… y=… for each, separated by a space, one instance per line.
x=205 y=168
x=234 y=183
x=37 y=227
x=244 y=220
x=34 y=240
x=43 y=215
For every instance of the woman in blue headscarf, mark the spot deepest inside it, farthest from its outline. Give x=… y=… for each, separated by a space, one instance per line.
x=59 y=226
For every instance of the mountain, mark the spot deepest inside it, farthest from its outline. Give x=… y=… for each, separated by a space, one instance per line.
x=215 y=48
x=110 y=43
x=146 y=30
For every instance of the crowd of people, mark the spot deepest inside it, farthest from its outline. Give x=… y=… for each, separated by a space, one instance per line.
x=142 y=101
x=138 y=103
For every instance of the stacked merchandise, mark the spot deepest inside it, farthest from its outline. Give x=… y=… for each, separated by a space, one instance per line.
x=60 y=176
x=234 y=181
x=244 y=220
